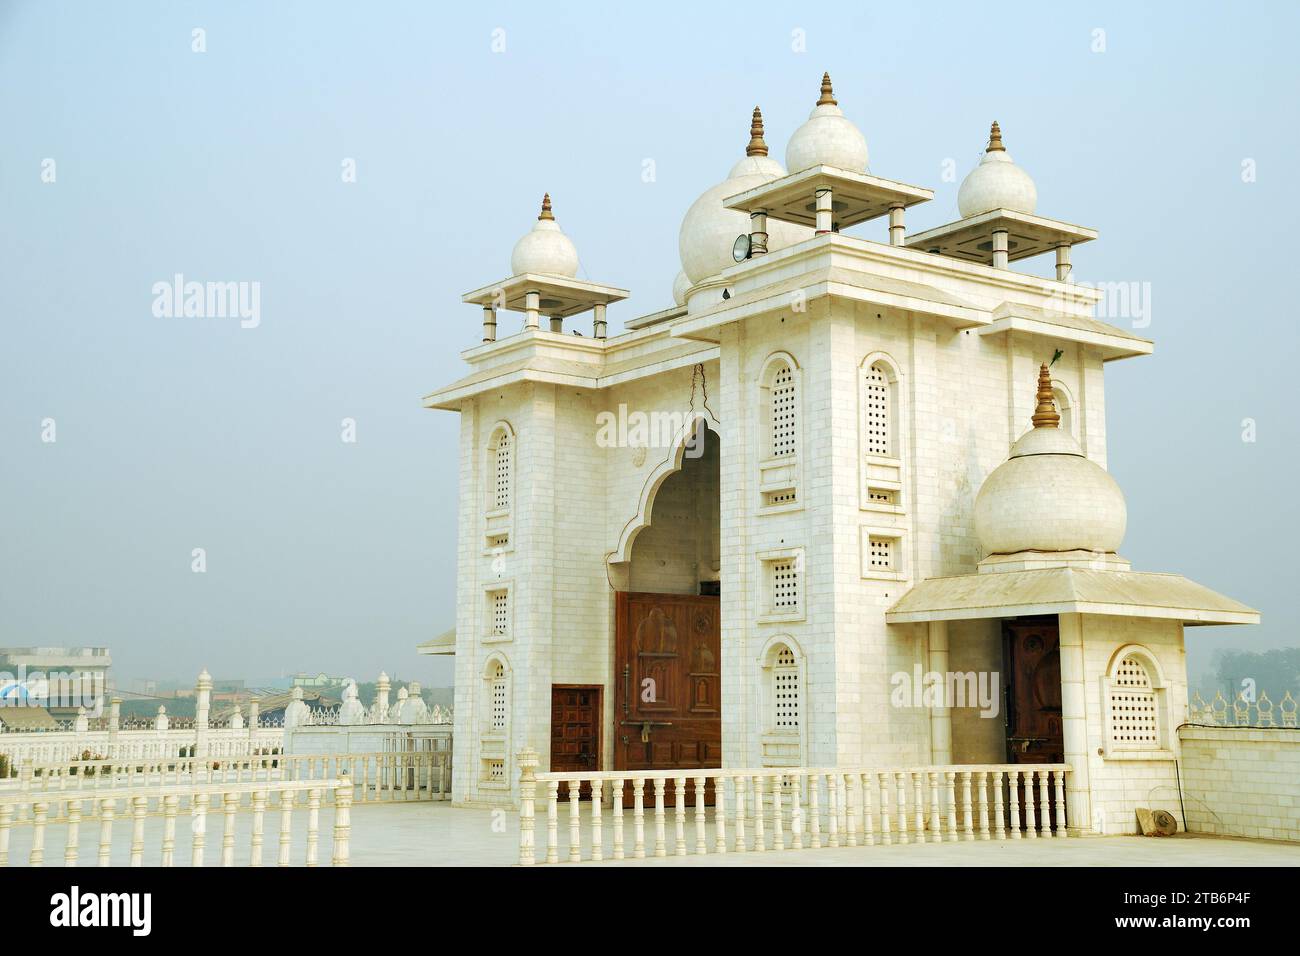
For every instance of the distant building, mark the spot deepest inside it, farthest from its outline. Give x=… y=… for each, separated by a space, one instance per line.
x=59 y=678
x=317 y=680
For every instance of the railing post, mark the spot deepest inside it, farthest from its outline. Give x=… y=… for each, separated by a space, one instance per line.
x=616 y=810
x=661 y=837
x=720 y=813
x=575 y=823
x=701 y=846
x=71 y=847
x=107 y=808
x=552 y=821
x=40 y=811
x=6 y=826
x=171 y=803
x=597 y=813
x=527 y=760
x=342 y=822
x=139 y=806
x=1059 y=777
x=638 y=817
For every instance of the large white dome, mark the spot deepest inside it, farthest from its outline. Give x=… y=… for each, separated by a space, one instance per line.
x=545 y=250
x=828 y=138
x=1047 y=496
x=709 y=229
x=996 y=183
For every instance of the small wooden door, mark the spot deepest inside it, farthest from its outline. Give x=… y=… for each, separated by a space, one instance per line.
x=1033 y=699
x=668 y=684
x=575 y=732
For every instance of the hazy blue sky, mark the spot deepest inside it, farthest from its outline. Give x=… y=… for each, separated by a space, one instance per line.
x=180 y=433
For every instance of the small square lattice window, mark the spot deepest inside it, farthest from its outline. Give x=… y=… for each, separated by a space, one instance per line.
x=494 y=771
x=501 y=477
x=1134 y=723
x=784 y=422
x=499 y=613
x=784 y=585
x=882 y=553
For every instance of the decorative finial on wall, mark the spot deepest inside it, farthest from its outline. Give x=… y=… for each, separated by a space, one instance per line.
x=546 y=208
x=756 y=147
x=1046 y=415
x=995 y=139
x=828 y=95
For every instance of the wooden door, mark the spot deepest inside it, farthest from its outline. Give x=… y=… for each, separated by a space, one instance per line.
x=668 y=683
x=1033 y=668
x=575 y=732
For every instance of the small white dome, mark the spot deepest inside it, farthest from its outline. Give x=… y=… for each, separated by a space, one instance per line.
x=709 y=229
x=545 y=250
x=828 y=138
x=996 y=183
x=1047 y=496
x=681 y=285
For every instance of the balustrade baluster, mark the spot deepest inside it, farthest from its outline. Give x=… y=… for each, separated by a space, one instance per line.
x=720 y=814
x=661 y=833
x=1013 y=801
x=638 y=818
x=40 y=812
x=1059 y=777
x=999 y=819
x=139 y=806
x=575 y=831
x=866 y=783
x=936 y=829
x=552 y=820
x=982 y=781
x=6 y=825
x=701 y=829
x=778 y=812
x=886 y=831
x=742 y=840
x=1031 y=830
x=950 y=796
x=259 y=812
x=832 y=809
x=796 y=809
x=815 y=809
x=107 y=808
x=313 y=825
x=901 y=783
x=1044 y=804
x=967 y=810
x=918 y=788
x=198 y=827
x=679 y=814
x=71 y=848
x=850 y=808
x=597 y=821
x=230 y=804
x=616 y=809
x=760 y=837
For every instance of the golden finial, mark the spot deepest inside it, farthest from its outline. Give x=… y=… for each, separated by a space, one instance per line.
x=1046 y=415
x=995 y=139
x=828 y=95
x=546 y=208
x=756 y=145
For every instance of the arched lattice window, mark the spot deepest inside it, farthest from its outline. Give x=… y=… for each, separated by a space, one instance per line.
x=1134 y=706
x=784 y=411
x=500 y=470
x=497 y=698
x=877 y=412
x=786 y=692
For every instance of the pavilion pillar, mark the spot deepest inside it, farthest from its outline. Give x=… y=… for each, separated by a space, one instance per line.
x=489 y=324
x=1000 y=259
x=599 y=328
x=532 y=304
x=758 y=233
x=940 y=717
x=1078 y=791
x=896 y=228
x=1063 y=262
x=825 y=207
x=557 y=324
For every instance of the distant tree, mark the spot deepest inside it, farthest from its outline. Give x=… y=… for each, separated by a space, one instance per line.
x=1273 y=672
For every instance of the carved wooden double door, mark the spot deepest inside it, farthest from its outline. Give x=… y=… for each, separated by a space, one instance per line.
x=668 y=685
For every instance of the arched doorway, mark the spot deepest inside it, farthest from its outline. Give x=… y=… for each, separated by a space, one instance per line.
x=667 y=641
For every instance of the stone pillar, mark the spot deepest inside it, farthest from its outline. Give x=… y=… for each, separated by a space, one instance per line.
x=489 y=324
x=382 y=687
x=532 y=304
x=1000 y=259
x=1063 y=262
x=527 y=761
x=160 y=722
x=824 y=211
x=940 y=717
x=236 y=720
x=758 y=233
x=557 y=325
x=114 y=725
x=1078 y=791
x=82 y=724
x=202 y=704
x=896 y=228
x=599 y=328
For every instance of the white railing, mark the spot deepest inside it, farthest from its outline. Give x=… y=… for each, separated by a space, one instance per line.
x=777 y=809
x=39 y=813
x=375 y=777
x=1258 y=712
x=65 y=746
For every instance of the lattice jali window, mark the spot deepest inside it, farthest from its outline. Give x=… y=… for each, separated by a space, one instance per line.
x=502 y=471
x=497 y=698
x=881 y=553
x=786 y=703
x=494 y=771
x=498 y=611
x=785 y=423
x=785 y=585
x=876 y=411
x=1134 y=712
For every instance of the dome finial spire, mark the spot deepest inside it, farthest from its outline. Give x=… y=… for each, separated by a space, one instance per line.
x=546 y=208
x=757 y=146
x=1046 y=415
x=828 y=94
x=995 y=139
